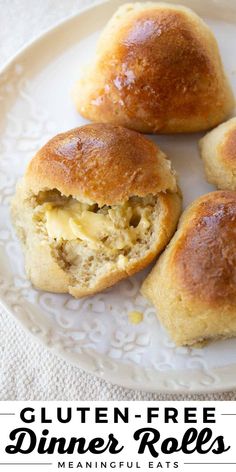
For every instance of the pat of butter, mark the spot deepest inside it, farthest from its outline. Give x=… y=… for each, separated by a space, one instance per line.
x=75 y=220
x=135 y=317
x=58 y=224
x=91 y=226
x=69 y=223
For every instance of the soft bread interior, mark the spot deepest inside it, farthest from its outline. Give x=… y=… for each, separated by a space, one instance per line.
x=88 y=242
x=111 y=228
x=79 y=232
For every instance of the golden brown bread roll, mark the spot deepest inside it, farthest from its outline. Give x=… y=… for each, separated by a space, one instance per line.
x=96 y=204
x=193 y=285
x=218 y=152
x=157 y=70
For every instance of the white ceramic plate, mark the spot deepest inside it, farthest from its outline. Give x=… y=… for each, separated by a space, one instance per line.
x=95 y=332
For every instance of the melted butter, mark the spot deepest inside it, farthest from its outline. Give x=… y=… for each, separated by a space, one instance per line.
x=111 y=226
x=75 y=221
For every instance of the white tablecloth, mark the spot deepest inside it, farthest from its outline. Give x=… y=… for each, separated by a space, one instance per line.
x=29 y=371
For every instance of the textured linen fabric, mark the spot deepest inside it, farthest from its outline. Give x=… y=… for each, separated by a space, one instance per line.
x=29 y=371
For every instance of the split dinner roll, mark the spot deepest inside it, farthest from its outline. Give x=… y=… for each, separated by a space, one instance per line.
x=218 y=152
x=157 y=70
x=96 y=204
x=193 y=285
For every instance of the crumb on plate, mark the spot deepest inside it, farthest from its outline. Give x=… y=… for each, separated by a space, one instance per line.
x=135 y=317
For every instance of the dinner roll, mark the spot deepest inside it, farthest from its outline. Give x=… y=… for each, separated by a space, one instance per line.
x=218 y=152
x=96 y=204
x=157 y=70
x=193 y=285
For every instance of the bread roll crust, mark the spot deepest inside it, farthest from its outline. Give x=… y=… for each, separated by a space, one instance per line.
x=204 y=258
x=101 y=163
x=193 y=285
x=227 y=148
x=158 y=70
x=218 y=152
